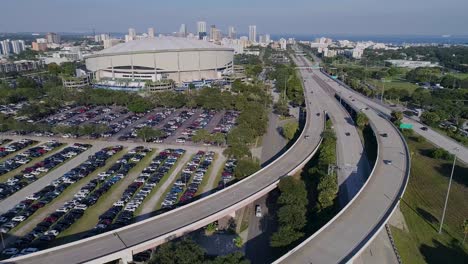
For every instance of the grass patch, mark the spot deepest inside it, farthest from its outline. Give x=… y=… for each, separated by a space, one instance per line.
x=422 y=207
x=394 y=84
x=244 y=224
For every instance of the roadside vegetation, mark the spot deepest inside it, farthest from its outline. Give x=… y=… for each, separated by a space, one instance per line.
x=423 y=203
x=187 y=251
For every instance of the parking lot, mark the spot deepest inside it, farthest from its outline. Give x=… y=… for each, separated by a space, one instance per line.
x=87 y=187
x=111 y=123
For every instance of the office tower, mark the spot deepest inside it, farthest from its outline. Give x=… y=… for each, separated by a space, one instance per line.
x=253 y=33
x=150 y=32
x=232 y=32
x=217 y=34
x=267 y=38
x=17 y=46
x=183 y=30
x=201 y=27
x=131 y=34
x=212 y=32
x=53 y=38
x=5 y=47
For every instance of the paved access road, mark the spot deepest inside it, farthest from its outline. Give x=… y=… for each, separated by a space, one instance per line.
x=196 y=214
x=355 y=226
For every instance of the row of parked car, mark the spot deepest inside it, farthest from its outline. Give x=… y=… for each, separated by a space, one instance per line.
x=15 y=146
x=201 y=122
x=85 y=116
x=49 y=193
x=33 y=202
x=32 y=173
x=87 y=196
x=227 y=122
x=175 y=123
x=67 y=112
x=152 y=121
x=26 y=156
x=122 y=211
x=193 y=167
x=194 y=186
x=228 y=173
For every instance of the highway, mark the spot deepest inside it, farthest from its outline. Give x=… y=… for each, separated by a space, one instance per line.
x=352 y=164
x=151 y=232
x=349 y=232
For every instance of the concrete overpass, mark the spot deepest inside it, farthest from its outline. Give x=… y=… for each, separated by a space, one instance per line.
x=345 y=236
x=127 y=241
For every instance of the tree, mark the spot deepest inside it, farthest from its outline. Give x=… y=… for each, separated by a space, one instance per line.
x=289 y=130
x=182 y=252
x=362 y=120
x=397 y=116
x=147 y=133
x=25 y=82
x=281 y=107
x=246 y=167
x=285 y=236
x=430 y=118
x=237 y=150
x=233 y=258
x=218 y=138
x=238 y=241
x=54 y=68
x=201 y=135
x=210 y=229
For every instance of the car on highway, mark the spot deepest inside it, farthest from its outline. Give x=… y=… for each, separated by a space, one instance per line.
x=384 y=135
x=388 y=162
x=347 y=134
x=306 y=136
x=424 y=128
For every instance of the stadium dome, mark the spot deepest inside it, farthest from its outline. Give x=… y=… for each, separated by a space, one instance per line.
x=182 y=60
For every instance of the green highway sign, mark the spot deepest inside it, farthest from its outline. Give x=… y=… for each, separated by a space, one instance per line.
x=406 y=126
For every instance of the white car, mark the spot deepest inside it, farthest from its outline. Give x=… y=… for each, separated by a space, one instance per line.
x=19 y=218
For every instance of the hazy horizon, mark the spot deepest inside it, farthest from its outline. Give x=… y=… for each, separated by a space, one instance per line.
x=356 y=17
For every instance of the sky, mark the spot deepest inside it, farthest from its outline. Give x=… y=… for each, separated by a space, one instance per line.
x=354 y=17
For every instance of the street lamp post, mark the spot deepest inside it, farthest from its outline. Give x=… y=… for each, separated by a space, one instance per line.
x=448 y=190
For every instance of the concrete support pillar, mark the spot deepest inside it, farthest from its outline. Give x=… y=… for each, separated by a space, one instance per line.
x=126 y=258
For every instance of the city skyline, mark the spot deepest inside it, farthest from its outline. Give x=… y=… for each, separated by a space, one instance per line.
x=298 y=17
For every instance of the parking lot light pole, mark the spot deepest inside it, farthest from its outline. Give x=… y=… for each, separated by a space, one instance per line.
x=448 y=190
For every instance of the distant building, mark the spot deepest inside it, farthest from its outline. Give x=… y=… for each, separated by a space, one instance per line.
x=253 y=33
x=37 y=46
x=5 y=48
x=18 y=46
x=183 y=30
x=110 y=42
x=20 y=66
x=412 y=64
x=283 y=44
x=53 y=38
x=201 y=27
x=232 y=32
x=150 y=32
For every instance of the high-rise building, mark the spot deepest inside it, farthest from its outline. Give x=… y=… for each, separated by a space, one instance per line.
x=183 y=30
x=39 y=46
x=267 y=38
x=232 y=32
x=53 y=38
x=17 y=46
x=253 y=33
x=5 y=47
x=150 y=32
x=132 y=32
x=201 y=27
x=212 y=32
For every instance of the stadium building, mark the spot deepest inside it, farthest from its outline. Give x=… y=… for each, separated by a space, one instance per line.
x=134 y=64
